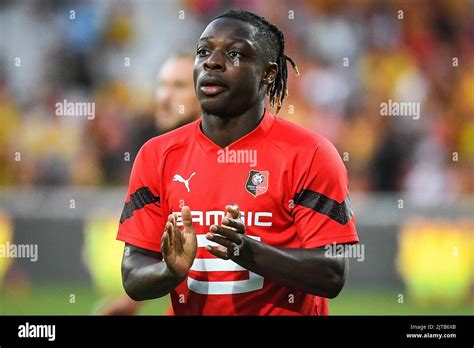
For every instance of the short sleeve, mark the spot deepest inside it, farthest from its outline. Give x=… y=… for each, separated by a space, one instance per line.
x=141 y=222
x=322 y=210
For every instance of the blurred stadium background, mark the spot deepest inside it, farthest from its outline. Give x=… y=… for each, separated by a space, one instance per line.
x=63 y=179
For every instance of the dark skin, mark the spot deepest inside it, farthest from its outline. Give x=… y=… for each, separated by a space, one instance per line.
x=147 y=274
x=308 y=270
x=232 y=103
x=238 y=109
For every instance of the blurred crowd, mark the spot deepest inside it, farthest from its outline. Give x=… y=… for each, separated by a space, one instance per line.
x=352 y=55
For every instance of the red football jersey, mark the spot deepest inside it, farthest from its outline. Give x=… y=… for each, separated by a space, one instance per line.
x=292 y=190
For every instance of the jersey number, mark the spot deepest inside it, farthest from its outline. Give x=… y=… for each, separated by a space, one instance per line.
x=255 y=281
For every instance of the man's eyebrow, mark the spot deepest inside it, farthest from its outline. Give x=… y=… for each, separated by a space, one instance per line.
x=233 y=38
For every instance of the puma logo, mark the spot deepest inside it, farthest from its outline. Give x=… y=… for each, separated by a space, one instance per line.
x=179 y=178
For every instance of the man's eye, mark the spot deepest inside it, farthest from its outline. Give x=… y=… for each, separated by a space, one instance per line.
x=201 y=52
x=235 y=54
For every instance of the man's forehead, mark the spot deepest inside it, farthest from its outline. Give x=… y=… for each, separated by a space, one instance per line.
x=229 y=28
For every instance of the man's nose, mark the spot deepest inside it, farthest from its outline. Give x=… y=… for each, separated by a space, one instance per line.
x=215 y=61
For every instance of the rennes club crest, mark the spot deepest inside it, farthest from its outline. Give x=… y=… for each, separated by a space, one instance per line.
x=257 y=182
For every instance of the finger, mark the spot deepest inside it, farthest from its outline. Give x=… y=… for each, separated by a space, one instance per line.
x=187 y=219
x=235 y=224
x=170 y=230
x=233 y=210
x=226 y=232
x=218 y=251
x=220 y=240
x=178 y=234
x=173 y=219
x=165 y=243
x=177 y=239
x=171 y=235
x=228 y=211
x=170 y=220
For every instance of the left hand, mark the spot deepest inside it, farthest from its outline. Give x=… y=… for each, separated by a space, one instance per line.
x=230 y=235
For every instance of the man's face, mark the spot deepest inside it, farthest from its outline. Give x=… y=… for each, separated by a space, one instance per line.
x=175 y=96
x=228 y=69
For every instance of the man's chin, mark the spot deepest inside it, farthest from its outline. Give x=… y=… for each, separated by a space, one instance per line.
x=220 y=109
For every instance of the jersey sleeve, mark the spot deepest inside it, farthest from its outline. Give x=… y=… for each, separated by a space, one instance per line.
x=141 y=222
x=322 y=208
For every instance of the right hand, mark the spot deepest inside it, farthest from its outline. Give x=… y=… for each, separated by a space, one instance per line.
x=179 y=247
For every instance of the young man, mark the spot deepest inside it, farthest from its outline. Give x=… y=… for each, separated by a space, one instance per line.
x=258 y=197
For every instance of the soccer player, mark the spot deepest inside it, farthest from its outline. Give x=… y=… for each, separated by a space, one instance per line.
x=244 y=233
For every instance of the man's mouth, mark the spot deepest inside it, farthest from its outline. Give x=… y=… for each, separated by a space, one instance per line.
x=212 y=90
x=212 y=85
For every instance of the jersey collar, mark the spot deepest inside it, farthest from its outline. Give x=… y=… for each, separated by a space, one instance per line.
x=249 y=140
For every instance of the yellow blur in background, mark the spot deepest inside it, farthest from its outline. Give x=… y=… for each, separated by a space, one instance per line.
x=6 y=235
x=436 y=261
x=103 y=254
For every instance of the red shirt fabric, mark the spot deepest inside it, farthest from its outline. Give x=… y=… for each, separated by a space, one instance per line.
x=292 y=190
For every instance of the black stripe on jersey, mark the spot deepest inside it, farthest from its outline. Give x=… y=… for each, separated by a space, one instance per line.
x=138 y=200
x=339 y=212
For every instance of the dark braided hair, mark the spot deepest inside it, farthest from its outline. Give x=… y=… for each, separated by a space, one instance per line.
x=272 y=41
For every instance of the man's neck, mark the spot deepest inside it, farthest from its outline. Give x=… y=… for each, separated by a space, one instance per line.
x=224 y=131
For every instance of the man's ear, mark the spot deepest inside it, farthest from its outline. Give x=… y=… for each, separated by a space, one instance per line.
x=270 y=73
